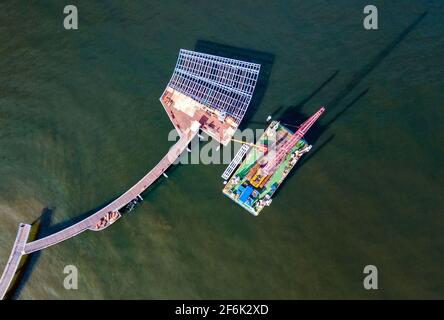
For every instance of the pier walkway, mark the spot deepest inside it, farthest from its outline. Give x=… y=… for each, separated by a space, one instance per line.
x=14 y=259
x=21 y=247
x=91 y=221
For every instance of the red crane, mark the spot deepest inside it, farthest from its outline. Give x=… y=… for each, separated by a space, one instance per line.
x=286 y=148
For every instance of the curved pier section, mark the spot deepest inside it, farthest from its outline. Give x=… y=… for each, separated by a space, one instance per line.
x=15 y=257
x=133 y=193
x=97 y=221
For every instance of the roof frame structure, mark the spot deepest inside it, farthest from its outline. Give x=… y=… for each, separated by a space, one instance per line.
x=224 y=84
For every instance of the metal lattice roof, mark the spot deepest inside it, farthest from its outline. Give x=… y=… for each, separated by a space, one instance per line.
x=220 y=83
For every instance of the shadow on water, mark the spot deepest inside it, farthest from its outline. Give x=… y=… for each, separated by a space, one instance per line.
x=291 y=115
x=359 y=76
x=292 y=112
x=265 y=59
x=294 y=115
x=348 y=106
x=41 y=228
x=315 y=133
x=28 y=263
x=48 y=229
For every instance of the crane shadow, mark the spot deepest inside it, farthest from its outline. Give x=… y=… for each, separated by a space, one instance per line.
x=316 y=132
x=294 y=115
x=292 y=111
x=375 y=62
x=290 y=115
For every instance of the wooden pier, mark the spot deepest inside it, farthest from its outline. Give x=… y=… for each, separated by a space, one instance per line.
x=21 y=247
x=205 y=92
x=14 y=259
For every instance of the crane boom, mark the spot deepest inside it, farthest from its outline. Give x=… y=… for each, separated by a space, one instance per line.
x=286 y=148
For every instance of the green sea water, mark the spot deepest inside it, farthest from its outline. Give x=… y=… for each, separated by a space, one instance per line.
x=80 y=122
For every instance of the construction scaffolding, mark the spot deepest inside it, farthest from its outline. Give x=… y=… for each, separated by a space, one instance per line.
x=224 y=84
